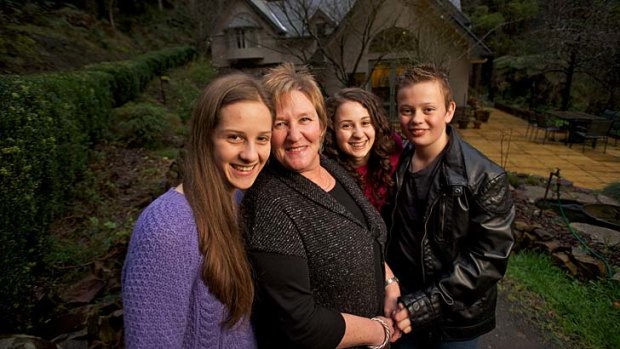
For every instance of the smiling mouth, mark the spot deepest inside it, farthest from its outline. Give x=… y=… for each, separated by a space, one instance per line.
x=243 y=168
x=296 y=149
x=417 y=131
x=358 y=145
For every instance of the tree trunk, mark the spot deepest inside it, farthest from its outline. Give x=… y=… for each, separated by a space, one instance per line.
x=160 y=4
x=570 y=72
x=111 y=13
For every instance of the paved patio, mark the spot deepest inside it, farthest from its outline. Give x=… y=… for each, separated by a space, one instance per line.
x=503 y=140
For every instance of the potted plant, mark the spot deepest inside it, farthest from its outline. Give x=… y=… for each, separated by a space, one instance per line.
x=483 y=115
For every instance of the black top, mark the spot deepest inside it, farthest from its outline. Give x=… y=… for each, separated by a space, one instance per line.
x=313 y=258
x=411 y=204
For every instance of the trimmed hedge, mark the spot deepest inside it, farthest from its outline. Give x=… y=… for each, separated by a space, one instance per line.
x=47 y=124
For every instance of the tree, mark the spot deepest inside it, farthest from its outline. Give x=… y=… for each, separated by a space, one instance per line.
x=576 y=35
x=203 y=15
x=332 y=33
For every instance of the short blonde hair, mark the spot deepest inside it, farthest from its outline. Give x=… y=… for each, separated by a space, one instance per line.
x=284 y=79
x=427 y=72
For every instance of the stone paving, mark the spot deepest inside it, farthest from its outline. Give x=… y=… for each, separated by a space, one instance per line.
x=503 y=140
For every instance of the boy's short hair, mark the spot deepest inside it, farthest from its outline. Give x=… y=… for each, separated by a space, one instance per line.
x=426 y=72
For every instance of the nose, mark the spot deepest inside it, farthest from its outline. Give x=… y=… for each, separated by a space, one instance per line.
x=293 y=134
x=416 y=118
x=357 y=132
x=249 y=152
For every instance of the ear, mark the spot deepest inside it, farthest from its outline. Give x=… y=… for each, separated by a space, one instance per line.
x=450 y=112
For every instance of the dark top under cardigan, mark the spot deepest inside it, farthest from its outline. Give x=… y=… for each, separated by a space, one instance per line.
x=290 y=221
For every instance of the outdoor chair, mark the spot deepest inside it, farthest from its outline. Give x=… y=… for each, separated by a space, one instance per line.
x=531 y=123
x=615 y=126
x=547 y=124
x=597 y=129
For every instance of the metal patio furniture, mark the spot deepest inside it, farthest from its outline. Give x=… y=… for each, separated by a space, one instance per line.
x=597 y=129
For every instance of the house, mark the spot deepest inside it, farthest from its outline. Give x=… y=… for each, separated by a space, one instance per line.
x=351 y=42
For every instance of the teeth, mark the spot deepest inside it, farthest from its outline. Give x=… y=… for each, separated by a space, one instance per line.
x=243 y=168
x=296 y=149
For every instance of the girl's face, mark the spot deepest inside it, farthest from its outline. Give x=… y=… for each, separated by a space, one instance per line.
x=355 y=134
x=241 y=142
x=297 y=134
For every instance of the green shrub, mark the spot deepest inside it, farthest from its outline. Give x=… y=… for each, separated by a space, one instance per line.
x=612 y=190
x=140 y=125
x=47 y=124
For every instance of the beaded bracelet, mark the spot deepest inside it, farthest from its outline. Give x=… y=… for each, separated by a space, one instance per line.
x=388 y=334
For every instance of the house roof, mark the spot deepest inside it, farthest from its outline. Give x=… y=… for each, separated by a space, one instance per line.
x=463 y=24
x=287 y=17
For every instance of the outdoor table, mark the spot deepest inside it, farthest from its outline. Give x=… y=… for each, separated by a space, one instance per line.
x=574 y=119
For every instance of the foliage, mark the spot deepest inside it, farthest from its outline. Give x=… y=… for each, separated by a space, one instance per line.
x=130 y=77
x=583 y=312
x=612 y=190
x=140 y=125
x=47 y=124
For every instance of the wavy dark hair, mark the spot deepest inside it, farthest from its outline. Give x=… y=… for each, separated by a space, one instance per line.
x=379 y=165
x=225 y=267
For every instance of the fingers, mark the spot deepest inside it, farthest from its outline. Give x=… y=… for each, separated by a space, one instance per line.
x=401 y=319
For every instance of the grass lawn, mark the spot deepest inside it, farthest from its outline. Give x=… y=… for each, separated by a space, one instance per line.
x=584 y=313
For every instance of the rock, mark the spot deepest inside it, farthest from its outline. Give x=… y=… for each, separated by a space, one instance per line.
x=22 y=341
x=521 y=226
x=564 y=260
x=602 y=235
x=583 y=198
x=533 y=192
x=589 y=267
x=549 y=246
x=84 y=290
x=542 y=234
x=604 y=199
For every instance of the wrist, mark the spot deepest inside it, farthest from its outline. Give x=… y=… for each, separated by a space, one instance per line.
x=386 y=334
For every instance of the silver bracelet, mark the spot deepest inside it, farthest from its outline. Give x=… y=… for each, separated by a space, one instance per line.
x=391 y=280
x=388 y=334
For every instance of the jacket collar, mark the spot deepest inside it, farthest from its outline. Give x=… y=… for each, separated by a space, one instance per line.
x=452 y=166
x=308 y=189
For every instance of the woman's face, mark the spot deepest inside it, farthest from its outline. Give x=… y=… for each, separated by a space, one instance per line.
x=355 y=133
x=242 y=142
x=297 y=134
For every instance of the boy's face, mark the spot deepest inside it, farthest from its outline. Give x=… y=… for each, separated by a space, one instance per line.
x=423 y=115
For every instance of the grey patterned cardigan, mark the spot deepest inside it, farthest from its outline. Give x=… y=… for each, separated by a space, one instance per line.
x=286 y=214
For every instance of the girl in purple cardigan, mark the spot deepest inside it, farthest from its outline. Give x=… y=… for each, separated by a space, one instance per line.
x=186 y=279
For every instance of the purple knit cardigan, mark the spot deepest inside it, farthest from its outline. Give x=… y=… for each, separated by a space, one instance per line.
x=166 y=303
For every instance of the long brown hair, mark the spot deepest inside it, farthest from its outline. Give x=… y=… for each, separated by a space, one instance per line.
x=225 y=266
x=379 y=165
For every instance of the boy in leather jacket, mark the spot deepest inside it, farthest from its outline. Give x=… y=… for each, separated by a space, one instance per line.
x=451 y=222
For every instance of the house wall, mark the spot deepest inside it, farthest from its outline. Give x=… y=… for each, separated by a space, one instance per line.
x=442 y=44
x=268 y=42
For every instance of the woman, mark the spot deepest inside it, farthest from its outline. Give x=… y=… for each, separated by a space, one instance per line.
x=316 y=244
x=361 y=139
x=186 y=279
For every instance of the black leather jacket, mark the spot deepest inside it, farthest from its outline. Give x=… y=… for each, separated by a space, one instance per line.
x=466 y=242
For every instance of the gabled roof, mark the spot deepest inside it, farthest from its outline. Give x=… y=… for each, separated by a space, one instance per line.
x=287 y=19
x=462 y=23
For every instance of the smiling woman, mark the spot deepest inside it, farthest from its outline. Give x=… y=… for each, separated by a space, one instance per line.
x=186 y=279
x=315 y=243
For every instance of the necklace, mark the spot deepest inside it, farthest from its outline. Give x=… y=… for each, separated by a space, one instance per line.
x=325 y=183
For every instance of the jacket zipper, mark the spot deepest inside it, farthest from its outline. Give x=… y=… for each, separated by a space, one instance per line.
x=426 y=218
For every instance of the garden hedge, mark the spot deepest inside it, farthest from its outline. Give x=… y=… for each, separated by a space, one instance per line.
x=47 y=124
